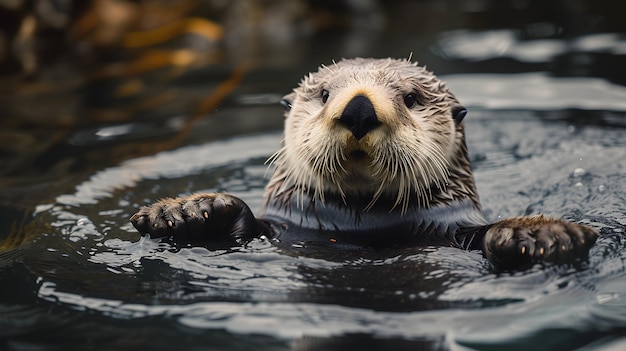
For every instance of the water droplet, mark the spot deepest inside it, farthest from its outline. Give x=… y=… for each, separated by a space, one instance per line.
x=601 y=188
x=579 y=172
x=606 y=297
x=578 y=185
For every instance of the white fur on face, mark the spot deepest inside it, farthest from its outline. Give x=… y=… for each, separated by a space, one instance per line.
x=407 y=155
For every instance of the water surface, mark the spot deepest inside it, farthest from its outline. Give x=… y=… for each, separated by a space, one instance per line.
x=76 y=275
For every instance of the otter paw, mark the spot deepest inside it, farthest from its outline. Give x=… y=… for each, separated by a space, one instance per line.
x=523 y=241
x=198 y=217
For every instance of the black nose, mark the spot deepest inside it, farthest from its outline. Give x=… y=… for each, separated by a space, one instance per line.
x=359 y=116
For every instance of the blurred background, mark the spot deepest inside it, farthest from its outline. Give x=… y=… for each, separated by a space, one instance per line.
x=87 y=84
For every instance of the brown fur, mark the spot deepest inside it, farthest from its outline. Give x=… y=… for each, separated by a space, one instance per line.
x=404 y=180
x=423 y=143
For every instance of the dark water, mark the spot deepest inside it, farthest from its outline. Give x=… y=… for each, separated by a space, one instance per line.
x=546 y=133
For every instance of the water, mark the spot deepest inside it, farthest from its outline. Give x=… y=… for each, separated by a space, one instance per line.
x=89 y=263
x=76 y=275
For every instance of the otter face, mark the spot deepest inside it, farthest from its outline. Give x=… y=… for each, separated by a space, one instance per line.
x=370 y=127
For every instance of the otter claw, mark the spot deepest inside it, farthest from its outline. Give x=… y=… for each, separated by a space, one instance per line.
x=537 y=239
x=224 y=217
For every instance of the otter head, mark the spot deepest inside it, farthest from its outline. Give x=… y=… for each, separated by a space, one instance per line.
x=369 y=127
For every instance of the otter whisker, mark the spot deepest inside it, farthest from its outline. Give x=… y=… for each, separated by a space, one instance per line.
x=273 y=159
x=325 y=166
x=439 y=165
x=329 y=70
x=411 y=174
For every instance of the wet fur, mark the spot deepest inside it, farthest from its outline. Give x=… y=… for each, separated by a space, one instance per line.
x=407 y=181
x=410 y=157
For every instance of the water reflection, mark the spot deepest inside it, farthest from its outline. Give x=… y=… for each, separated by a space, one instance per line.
x=537 y=91
x=486 y=45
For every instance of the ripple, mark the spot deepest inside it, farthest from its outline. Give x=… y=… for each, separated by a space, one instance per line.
x=292 y=320
x=435 y=293
x=536 y=91
x=484 y=45
x=181 y=162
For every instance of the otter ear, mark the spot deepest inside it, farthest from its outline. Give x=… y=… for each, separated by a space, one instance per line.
x=458 y=113
x=286 y=101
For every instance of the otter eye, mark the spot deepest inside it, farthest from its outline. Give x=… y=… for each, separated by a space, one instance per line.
x=325 y=94
x=410 y=100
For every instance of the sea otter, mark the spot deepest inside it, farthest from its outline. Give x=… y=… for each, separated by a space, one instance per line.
x=374 y=155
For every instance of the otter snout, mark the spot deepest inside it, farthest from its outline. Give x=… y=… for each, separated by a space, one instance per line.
x=359 y=116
